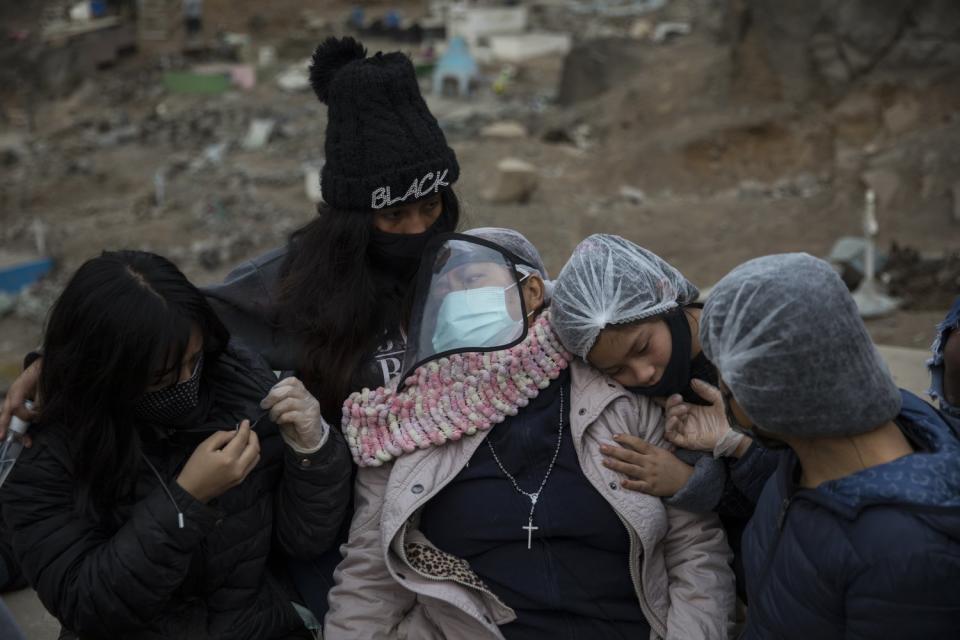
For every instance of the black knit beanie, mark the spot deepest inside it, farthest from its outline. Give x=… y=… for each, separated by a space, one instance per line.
x=384 y=148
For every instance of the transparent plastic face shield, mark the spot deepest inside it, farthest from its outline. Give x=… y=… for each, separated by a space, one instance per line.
x=467 y=298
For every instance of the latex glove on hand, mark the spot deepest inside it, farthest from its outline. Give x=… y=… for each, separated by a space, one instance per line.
x=297 y=413
x=703 y=428
x=649 y=469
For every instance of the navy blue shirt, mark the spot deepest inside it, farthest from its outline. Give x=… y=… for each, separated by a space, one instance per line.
x=575 y=580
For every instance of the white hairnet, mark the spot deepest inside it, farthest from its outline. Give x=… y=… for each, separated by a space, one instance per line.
x=788 y=341
x=610 y=280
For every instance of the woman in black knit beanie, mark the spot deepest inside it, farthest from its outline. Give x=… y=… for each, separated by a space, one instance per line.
x=333 y=296
x=329 y=304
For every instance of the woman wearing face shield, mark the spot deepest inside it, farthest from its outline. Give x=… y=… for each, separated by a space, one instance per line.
x=482 y=508
x=149 y=506
x=857 y=534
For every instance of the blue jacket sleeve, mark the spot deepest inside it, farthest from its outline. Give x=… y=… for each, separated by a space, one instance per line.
x=751 y=472
x=703 y=490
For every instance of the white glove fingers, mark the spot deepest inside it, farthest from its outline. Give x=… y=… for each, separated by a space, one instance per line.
x=292 y=418
x=274 y=396
x=302 y=428
x=678 y=410
x=706 y=391
x=674 y=400
x=284 y=406
x=283 y=389
x=672 y=426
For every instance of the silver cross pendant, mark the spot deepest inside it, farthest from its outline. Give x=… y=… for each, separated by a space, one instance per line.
x=530 y=529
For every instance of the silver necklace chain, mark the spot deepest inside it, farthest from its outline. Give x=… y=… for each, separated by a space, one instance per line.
x=533 y=497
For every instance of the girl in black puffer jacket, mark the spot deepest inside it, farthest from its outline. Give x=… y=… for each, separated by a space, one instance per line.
x=148 y=506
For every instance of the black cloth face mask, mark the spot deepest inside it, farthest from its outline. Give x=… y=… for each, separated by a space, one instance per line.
x=401 y=252
x=676 y=377
x=170 y=404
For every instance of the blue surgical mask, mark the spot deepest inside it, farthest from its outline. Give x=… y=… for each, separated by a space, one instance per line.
x=474 y=318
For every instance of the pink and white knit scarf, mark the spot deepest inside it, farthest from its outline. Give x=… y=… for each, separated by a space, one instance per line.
x=452 y=397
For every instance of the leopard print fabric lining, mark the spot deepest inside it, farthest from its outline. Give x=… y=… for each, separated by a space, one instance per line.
x=439 y=564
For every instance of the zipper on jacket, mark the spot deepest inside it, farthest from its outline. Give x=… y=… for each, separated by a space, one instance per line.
x=662 y=631
x=406 y=562
x=782 y=517
x=781 y=520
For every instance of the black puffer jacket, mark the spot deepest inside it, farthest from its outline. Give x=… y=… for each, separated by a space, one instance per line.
x=141 y=575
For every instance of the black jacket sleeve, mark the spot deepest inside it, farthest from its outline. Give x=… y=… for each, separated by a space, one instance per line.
x=94 y=582
x=314 y=497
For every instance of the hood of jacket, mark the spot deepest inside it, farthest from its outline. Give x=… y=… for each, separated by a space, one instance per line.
x=926 y=482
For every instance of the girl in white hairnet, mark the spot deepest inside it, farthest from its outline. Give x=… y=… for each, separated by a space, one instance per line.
x=634 y=317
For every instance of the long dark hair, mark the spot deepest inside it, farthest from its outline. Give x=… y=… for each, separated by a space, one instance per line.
x=122 y=317
x=340 y=302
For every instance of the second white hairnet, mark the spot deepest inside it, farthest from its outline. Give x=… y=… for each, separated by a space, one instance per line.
x=787 y=339
x=610 y=280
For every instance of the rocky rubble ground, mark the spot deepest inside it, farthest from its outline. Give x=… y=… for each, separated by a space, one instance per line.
x=752 y=127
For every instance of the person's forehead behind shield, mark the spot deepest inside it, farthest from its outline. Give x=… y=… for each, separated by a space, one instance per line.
x=467 y=298
x=468 y=266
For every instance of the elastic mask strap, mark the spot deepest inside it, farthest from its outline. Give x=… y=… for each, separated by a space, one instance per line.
x=527 y=275
x=505 y=289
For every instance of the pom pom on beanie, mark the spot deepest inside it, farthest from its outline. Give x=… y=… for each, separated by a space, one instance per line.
x=330 y=56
